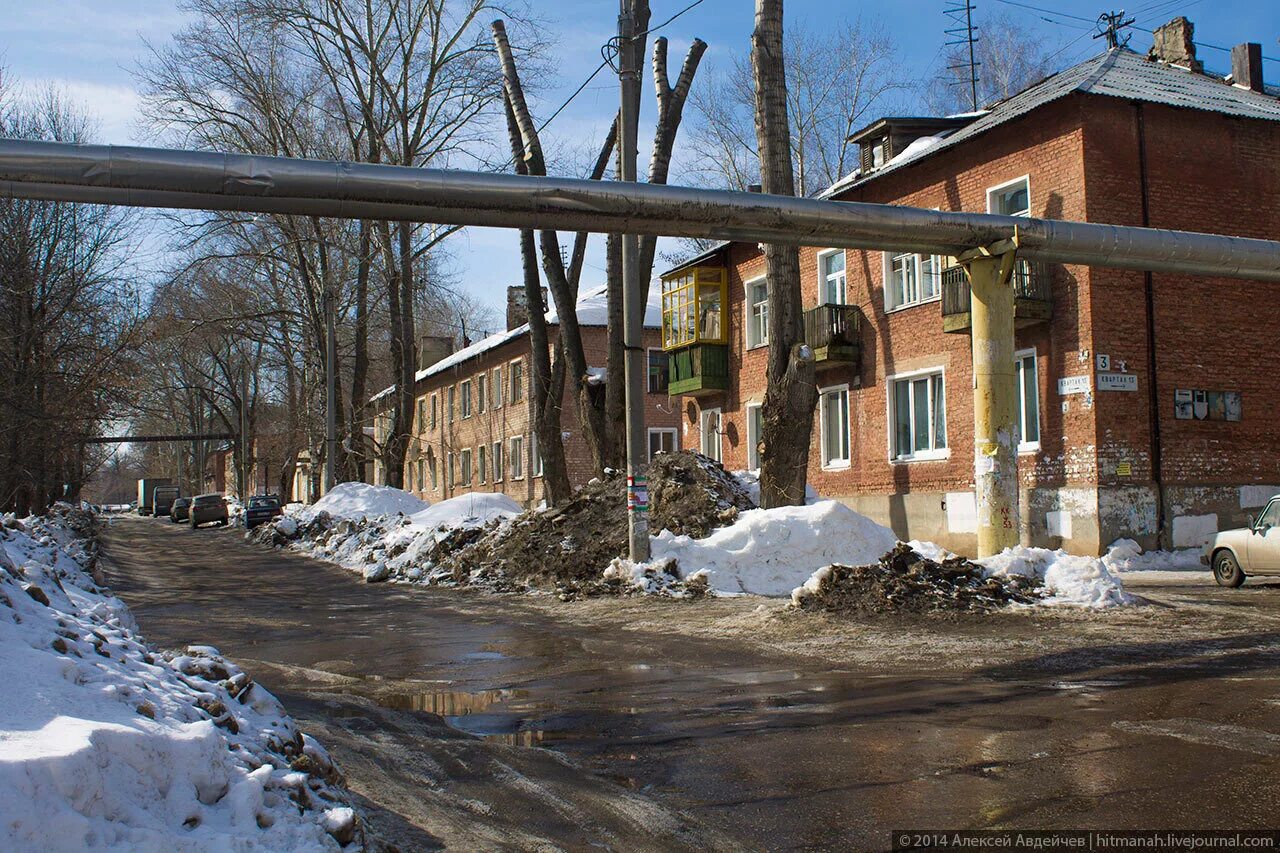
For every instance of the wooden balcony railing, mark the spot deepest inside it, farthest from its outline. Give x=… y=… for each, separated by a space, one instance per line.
x=1032 y=293
x=834 y=332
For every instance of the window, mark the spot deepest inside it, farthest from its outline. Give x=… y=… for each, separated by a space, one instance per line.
x=465 y=465
x=497 y=388
x=431 y=469
x=466 y=399
x=661 y=440
x=1028 y=401
x=755 y=435
x=710 y=423
x=833 y=409
x=918 y=416
x=1270 y=516
x=517 y=457
x=453 y=474
x=535 y=455
x=422 y=413
x=482 y=392
x=482 y=470
x=1011 y=199
x=691 y=305
x=435 y=404
x=659 y=371
x=517 y=381
x=452 y=404
x=912 y=279
x=496 y=461
x=757 y=313
x=832 y=283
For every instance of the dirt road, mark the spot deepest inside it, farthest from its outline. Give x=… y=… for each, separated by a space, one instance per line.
x=474 y=721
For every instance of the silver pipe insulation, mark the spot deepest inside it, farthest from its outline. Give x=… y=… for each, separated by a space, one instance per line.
x=153 y=177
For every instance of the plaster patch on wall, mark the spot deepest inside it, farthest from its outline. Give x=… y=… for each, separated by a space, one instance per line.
x=1127 y=510
x=962 y=512
x=1254 y=497
x=1192 y=531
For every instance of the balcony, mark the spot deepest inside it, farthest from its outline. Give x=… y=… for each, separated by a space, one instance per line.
x=834 y=333
x=1032 y=296
x=699 y=370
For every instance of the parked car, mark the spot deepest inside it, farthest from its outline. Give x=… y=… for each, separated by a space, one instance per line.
x=1255 y=550
x=180 y=511
x=261 y=509
x=208 y=508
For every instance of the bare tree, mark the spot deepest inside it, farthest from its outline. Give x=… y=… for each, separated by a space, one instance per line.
x=791 y=394
x=837 y=77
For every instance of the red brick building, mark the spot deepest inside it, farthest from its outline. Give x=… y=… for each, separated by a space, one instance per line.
x=474 y=409
x=1147 y=406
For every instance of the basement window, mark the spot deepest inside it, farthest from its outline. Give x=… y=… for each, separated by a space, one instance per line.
x=917 y=416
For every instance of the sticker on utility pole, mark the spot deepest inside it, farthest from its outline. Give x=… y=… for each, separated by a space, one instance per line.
x=1117 y=382
x=1073 y=385
x=637 y=494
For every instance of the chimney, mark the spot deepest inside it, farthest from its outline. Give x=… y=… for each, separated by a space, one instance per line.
x=518 y=306
x=432 y=348
x=1173 y=44
x=1246 y=66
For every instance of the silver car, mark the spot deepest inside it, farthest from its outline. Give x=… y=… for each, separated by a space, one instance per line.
x=1255 y=550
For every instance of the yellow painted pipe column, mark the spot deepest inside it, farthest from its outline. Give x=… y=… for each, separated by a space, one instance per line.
x=995 y=470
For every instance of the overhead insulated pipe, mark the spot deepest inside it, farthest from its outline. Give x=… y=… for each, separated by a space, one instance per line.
x=153 y=177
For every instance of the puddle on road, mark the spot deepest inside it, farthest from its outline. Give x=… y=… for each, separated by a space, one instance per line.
x=470 y=712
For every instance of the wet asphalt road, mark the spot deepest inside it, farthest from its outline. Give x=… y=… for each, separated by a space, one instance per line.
x=465 y=722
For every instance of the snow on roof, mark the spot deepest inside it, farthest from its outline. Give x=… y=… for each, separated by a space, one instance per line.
x=593 y=310
x=1118 y=73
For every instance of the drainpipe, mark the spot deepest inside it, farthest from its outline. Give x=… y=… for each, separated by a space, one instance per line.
x=995 y=462
x=1149 y=291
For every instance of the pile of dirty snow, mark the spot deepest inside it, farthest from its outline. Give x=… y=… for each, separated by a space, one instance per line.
x=905 y=581
x=393 y=547
x=1068 y=579
x=1125 y=555
x=360 y=500
x=105 y=743
x=772 y=551
x=567 y=547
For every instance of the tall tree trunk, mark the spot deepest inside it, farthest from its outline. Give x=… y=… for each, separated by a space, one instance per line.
x=360 y=358
x=791 y=395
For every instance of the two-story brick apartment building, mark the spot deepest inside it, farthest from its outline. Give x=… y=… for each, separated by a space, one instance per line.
x=1147 y=404
x=472 y=425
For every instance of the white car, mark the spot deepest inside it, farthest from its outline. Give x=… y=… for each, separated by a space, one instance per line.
x=1235 y=554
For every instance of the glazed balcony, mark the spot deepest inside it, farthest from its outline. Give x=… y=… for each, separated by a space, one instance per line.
x=1033 y=296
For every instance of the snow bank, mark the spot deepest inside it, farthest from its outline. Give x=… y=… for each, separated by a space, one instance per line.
x=1068 y=579
x=360 y=500
x=772 y=551
x=750 y=481
x=107 y=745
x=469 y=510
x=1125 y=555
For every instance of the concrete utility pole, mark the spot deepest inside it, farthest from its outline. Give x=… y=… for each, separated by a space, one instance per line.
x=633 y=301
x=330 y=389
x=995 y=458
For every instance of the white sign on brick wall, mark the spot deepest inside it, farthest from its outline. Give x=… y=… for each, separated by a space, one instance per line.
x=1073 y=385
x=1117 y=382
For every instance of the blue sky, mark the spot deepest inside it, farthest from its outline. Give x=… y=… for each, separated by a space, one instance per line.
x=90 y=49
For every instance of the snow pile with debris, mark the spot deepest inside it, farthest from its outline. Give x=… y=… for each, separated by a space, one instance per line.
x=772 y=551
x=1125 y=555
x=1068 y=579
x=358 y=501
x=105 y=744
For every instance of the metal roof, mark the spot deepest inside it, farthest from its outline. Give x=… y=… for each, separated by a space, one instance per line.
x=1118 y=73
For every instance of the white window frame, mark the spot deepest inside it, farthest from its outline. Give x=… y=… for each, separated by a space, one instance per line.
x=917 y=262
x=824 y=278
x=890 y=384
x=435 y=406
x=464 y=391
x=835 y=463
x=749 y=310
x=465 y=470
x=496 y=402
x=497 y=461
x=482 y=464
x=671 y=431
x=999 y=188
x=422 y=413
x=515 y=457
x=719 y=433
x=753 y=440
x=535 y=456
x=432 y=469
x=1018 y=358
x=452 y=479
x=453 y=403
x=482 y=392
x=517 y=382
